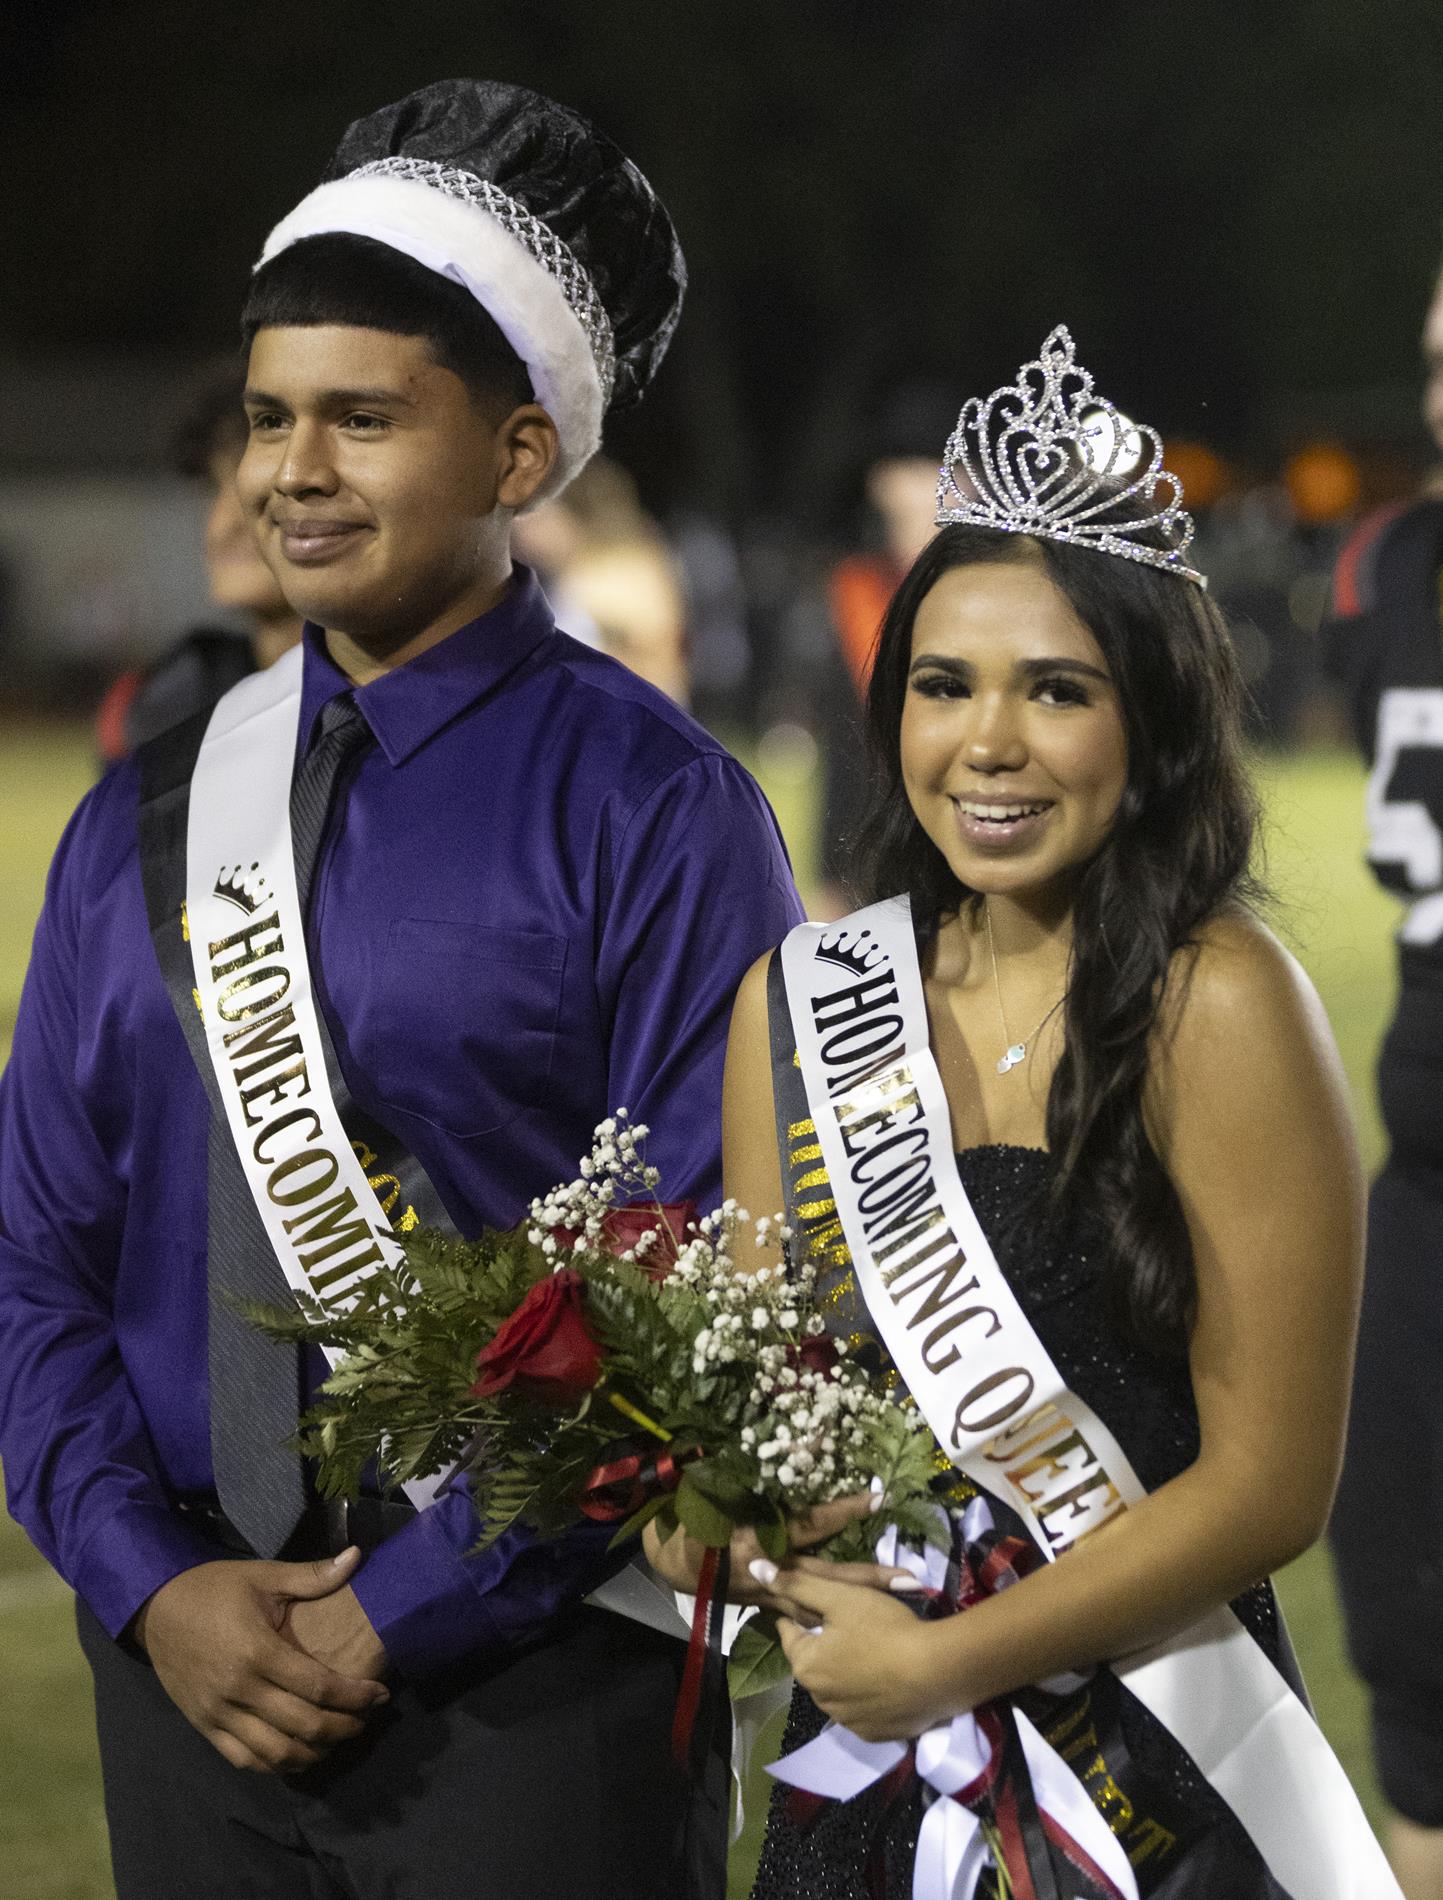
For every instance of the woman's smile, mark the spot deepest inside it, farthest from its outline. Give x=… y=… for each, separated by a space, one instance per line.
x=1013 y=749
x=1000 y=826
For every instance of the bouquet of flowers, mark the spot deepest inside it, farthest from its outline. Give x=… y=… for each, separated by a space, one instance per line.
x=607 y=1360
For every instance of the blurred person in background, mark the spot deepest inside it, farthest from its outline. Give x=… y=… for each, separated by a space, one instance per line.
x=1324 y=487
x=609 y=574
x=1385 y=647
x=900 y=488
x=1269 y=546
x=207 y=661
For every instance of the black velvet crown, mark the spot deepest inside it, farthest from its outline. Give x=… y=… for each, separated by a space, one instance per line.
x=565 y=172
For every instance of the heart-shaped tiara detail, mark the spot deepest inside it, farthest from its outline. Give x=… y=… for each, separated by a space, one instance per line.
x=1047 y=456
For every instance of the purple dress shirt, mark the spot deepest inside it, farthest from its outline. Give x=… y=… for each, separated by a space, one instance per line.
x=533 y=904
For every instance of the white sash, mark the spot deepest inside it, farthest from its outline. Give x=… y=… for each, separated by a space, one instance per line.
x=1002 y=1410
x=253 y=989
x=253 y=986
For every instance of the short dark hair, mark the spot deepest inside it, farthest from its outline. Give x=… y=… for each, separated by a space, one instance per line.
x=340 y=278
x=1177 y=855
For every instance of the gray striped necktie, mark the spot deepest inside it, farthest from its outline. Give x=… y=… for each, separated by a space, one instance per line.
x=255 y=1384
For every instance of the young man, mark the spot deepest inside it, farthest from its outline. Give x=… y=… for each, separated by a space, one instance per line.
x=412 y=912
x=1386 y=652
x=1385 y=647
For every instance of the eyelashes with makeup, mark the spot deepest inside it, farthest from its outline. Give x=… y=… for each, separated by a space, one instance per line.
x=1054 y=691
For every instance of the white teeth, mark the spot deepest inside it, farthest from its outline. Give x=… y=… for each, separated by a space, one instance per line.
x=998 y=814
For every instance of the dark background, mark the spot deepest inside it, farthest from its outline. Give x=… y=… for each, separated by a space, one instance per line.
x=1235 y=208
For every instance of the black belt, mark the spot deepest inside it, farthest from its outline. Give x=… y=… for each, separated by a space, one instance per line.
x=329 y=1526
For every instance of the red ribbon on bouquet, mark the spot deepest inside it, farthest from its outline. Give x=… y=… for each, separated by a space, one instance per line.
x=992 y=1762
x=619 y=1488
x=703 y=1683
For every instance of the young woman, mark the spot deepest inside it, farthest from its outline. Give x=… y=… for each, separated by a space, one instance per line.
x=1069 y=1136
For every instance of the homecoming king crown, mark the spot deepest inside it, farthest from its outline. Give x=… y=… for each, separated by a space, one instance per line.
x=1045 y=456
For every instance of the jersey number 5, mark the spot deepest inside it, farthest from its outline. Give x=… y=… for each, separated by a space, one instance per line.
x=1404 y=832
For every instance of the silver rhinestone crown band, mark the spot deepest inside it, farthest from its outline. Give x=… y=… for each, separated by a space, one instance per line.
x=552 y=253
x=1045 y=456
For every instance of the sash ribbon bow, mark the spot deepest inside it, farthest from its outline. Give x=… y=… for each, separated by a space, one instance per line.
x=991 y=1764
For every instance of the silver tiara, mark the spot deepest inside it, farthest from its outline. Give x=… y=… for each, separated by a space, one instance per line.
x=1045 y=456
x=552 y=253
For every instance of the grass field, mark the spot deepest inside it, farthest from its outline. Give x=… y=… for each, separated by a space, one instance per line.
x=52 y=1844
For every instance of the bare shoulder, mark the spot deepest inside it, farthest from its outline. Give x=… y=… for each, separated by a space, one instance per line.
x=748 y=1080
x=1241 y=1027
x=1235 y=984
x=750 y=1162
x=750 y=1007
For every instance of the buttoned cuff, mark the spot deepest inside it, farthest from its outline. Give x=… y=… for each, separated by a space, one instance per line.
x=433 y=1599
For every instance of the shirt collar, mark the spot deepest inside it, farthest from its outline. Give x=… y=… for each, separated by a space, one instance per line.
x=408 y=706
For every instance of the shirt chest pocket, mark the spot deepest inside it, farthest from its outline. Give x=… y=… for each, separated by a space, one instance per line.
x=471 y=1022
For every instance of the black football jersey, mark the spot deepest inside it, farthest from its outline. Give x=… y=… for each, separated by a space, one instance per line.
x=1384 y=646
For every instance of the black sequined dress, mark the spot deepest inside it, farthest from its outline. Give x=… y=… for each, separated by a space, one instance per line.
x=1183 y=1842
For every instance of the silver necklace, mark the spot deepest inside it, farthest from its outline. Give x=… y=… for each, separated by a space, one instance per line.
x=1014 y=1052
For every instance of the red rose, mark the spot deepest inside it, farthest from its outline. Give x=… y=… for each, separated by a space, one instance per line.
x=817 y=1353
x=623 y=1227
x=544 y=1349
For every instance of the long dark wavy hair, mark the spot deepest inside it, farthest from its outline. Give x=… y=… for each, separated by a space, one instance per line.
x=1177 y=854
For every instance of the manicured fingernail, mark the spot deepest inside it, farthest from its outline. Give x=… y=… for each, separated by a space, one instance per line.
x=764 y=1570
x=879 y=1498
x=903 y=1584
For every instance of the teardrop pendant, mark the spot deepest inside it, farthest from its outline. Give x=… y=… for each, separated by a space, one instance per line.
x=1013 y=1056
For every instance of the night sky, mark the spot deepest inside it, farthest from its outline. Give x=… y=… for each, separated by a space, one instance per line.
x=1237 y=210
